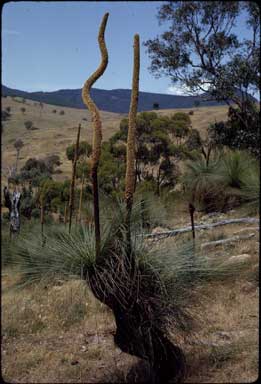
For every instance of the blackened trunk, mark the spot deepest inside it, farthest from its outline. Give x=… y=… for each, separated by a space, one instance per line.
x=137 y=334
x=191 y=212
x=96 y=212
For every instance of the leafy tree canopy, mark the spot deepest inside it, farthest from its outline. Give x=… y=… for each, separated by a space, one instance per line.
x=85 y=149
x=201 y=50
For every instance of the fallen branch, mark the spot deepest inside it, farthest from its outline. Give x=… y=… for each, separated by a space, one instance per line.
x=162 y=235
x=229 y=240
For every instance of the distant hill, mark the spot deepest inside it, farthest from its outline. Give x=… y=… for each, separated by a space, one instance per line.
x=116 y=100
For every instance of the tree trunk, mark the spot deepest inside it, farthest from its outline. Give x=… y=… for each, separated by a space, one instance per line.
x=80 y=202
x=17 y=158
x=71 y=201
x=65 y=213
x=191 y=212
x=42 y=220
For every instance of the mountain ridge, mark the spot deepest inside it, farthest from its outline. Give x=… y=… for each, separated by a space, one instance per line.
x=115 y=100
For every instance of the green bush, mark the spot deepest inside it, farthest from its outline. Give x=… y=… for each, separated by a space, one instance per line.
x=36 y=212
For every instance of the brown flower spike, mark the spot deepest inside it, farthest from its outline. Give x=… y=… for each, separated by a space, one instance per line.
x=97 y=126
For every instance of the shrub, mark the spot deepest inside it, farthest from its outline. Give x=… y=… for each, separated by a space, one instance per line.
x=204 y=184
x=28 y=124
x=52 y=161
x=191 y=113
x=5 y=115
x=62 y=112
x=23 y=110
x=234 y=134
x=36 y=213
x=5 y=215
x=54 y=111
x=8 y=109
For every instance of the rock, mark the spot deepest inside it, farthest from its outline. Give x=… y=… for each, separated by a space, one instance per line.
x=248 y=287
x=178 y=188
x=238 y=258
x=246 y=229
x=83 y=348
x=74 y=362
x=211 y=214
x=158 y=230
x=224 y=335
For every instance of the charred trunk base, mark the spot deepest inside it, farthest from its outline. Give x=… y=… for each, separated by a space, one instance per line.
x=137 y=335
x=167 y=361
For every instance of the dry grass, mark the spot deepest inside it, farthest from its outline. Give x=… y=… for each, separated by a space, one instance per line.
x=60 y=333
x=55 y=131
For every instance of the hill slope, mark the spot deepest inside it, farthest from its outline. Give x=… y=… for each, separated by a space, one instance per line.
x=55 y=132
x=116 y=100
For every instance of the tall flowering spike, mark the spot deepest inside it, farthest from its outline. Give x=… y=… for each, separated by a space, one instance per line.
x=97 y=134
x=130 y=170
x=97 y=127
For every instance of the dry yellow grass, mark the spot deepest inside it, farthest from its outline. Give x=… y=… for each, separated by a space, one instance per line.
x=57 y=131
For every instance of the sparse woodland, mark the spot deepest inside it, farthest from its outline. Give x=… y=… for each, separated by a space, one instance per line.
x=143 y=265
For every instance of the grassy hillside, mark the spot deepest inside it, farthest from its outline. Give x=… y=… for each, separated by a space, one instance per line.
x=55 y=132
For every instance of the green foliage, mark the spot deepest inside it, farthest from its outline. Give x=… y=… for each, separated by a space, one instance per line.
x=28 y=124
x=154 y=148
x=85 y=149
x=240 y=131
x=111 y=172
x=235 y=165
x=28 y=202
x=18 y=144
x=56 y=204
x=5 y=115
x=241 y=173
x=34 y=171
x=228 y=179
x=50 y=190
x=204 y=184
x=193 y=140
x=200 y=50
x=36 y=213
x=83 y=169
x=54 y=194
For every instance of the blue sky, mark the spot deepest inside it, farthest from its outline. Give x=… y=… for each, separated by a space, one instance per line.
x=53 y=45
